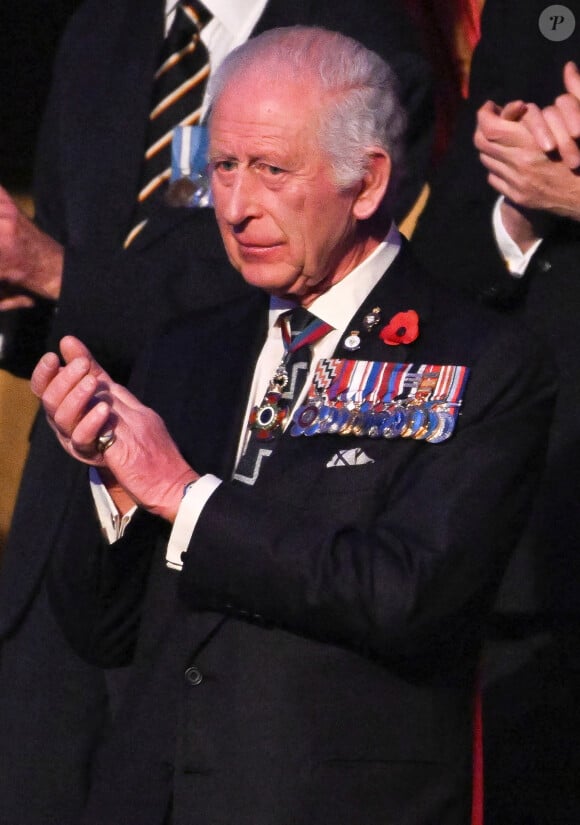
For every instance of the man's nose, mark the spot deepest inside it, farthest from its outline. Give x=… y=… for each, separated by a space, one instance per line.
x=241 y=200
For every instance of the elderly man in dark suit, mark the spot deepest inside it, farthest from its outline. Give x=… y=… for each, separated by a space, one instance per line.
x=301 y=598
x=88 y=171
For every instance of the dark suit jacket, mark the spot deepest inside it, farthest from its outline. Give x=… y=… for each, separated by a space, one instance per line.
x=454 y=239
x=314 y=661
x=88 y=164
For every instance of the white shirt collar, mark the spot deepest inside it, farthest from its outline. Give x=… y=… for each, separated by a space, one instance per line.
x=338 y=305
x=234 y=16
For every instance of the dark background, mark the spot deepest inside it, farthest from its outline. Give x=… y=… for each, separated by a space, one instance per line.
x=29 y=34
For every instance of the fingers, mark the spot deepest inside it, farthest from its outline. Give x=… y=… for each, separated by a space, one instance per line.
x=46 y=369
x=72 y=348
x=487 y=117
x=514 y=111
x=566 y=143
x=501 y=127
x=16 y=302
x=82 y=403
x=30 y=259
x=557 y=127
x=54 y=385
x=83 y=428
x=572 y=79
x=568 y=109
x=7 y=205
x=77 y=403
x=75 y=409
x=539 y=128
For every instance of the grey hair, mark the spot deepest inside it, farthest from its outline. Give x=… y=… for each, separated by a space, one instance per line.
x=363 y=108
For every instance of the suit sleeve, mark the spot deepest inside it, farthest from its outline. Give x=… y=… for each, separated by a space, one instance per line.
x=408 y=563
x=97 y=589
x=25 y=331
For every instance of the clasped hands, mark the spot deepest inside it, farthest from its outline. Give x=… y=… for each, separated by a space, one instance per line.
x=143 y=464
x=532 y=156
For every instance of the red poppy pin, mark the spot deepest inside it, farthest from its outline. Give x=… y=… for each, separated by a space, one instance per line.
x=403 y=328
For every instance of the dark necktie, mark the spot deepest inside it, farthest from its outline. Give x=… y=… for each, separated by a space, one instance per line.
x=300 y=329
x=178 y=90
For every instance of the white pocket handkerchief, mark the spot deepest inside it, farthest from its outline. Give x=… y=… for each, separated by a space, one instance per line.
x=350 y=458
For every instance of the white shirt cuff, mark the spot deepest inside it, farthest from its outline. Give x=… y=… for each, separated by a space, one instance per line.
x=190 y=509
x=515 y=260
x=113 y=524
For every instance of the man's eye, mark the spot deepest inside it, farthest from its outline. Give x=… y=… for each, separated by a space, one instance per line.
x=224 y=165
x=269 y=169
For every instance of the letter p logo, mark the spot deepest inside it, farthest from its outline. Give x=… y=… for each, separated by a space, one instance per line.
x=557 y=23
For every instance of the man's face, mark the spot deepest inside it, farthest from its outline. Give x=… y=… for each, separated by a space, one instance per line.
x=285 y=225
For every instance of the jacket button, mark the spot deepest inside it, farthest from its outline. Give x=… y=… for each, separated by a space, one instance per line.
x=193 y=676
x=544 y=265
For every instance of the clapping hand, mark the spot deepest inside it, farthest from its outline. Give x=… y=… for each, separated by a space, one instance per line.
x=99 y=422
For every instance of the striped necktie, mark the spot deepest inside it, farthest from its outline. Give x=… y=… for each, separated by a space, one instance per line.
x=300 y=330
x=178 y=91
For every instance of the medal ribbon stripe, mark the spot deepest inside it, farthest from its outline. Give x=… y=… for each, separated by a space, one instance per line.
x=419 y=401
x=402 y=381
x=444 y=382
x=458 y=385
x=381 y=383
x=373 y=382
x=388 y=391
x=360 y=376
x=315 y=330
x=417 y=379
x=340 y=385
x=323 y=376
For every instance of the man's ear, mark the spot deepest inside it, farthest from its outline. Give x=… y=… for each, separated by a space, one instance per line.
x=374 y=184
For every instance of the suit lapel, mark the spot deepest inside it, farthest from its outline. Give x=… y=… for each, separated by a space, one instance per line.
x=399 y=290
x=212 y=387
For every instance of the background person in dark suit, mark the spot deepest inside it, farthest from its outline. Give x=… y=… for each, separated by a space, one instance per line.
x=314 y=659
x=531 y=718
x=89 y=160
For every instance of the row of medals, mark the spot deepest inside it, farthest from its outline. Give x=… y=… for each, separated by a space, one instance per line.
x=420 y=420
x=432 y=421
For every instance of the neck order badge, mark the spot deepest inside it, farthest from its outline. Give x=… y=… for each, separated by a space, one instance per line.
x=300 y=329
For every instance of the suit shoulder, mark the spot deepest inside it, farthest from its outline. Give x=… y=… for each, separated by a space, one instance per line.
x=221 y=321
x=457 y=323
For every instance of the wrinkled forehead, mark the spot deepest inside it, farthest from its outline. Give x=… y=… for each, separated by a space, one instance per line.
x=257 y=81
x=254 y=98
